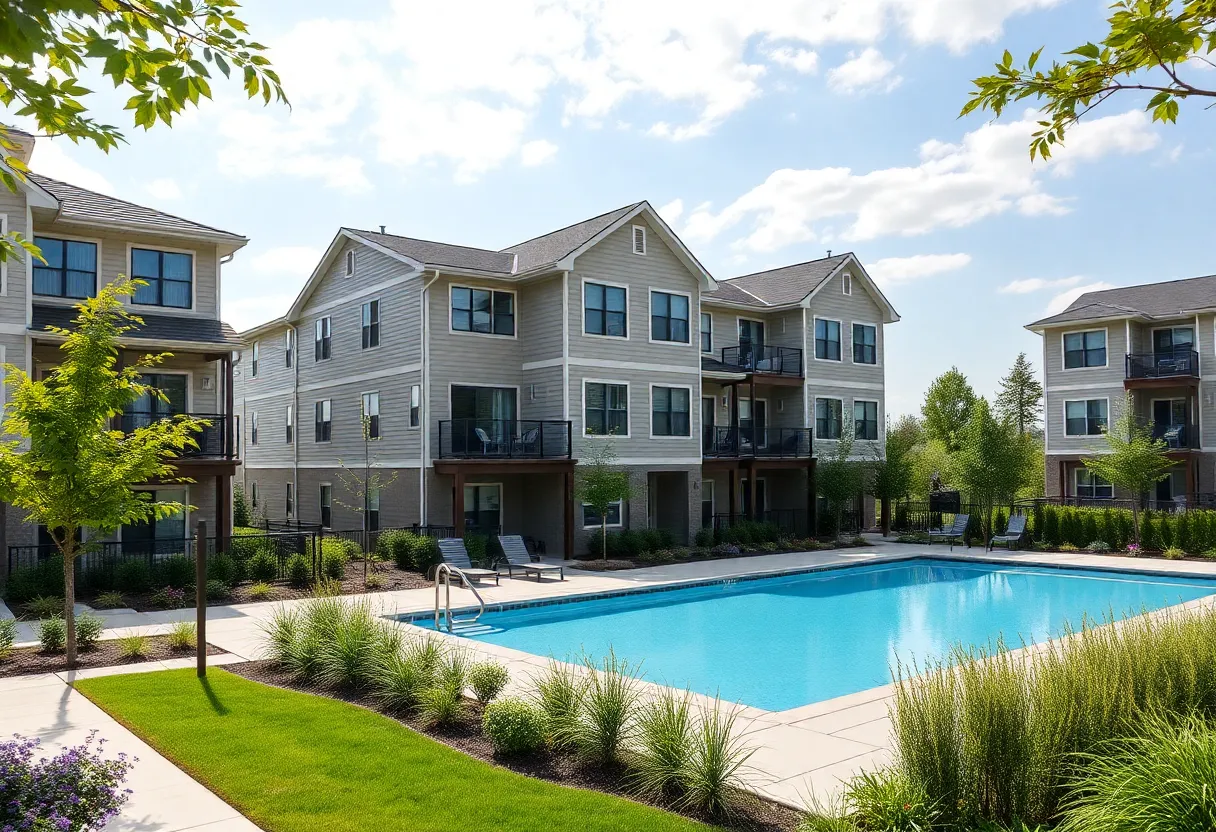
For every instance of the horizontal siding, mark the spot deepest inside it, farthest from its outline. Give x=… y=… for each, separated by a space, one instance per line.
x=861 y=449
x=541 y=395
x=784 y=403
x=1110 y=376
x=639 y=443
x=372 y=268
x=398 y=442
x=859 y=307
x=1054 y=400
x=12 y=304
x=542 y=304
x=272 y=447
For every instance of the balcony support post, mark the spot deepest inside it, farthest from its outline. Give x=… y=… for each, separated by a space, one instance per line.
x=458 y=503
x=568 y=531
x=223 y=511
x=751 y=489
x=229 y=407
x=1190 y=482
x=733 y=490
x=812 y=522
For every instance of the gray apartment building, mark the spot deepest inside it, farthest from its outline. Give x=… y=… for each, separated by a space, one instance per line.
x=87 y=240
x=1149 y=342
x=484 y=376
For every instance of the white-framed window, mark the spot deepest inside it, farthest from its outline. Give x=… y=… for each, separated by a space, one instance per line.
x=327 y=510
x=670 y=411
x=829 y=414
x=616 y=512
x=707 y=332
x=482 y=311
x=253 y=429
x=370 y=408
x=350 y=263
x=1086 y=417
x=289 y=500
x=415 y=405
x=290 y=433
x=289 y=347
x=255 y=351
x=373 y=507
x=865 y=419
x=370 y=317
x=322 y=335
x=605 y=408
x=846 y=283
x=322 y=421
x=1084 y=349
x=827 y=339
x=1091 y=486
x=865 y=344
x=639 y=239
x=669 y=317
x=605 y=310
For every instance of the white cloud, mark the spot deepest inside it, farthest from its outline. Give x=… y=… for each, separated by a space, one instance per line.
x=1063 y=300
x=1038 y=284
x=672 y=211
x=537 y=152
x=867 y=71
x=799 y=60
x=51 y=159
x=891 y=270
x=165 y=189
x=954 y=185
x=246 y=312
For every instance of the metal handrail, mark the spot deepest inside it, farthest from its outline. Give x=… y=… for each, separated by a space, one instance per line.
x=446 y=570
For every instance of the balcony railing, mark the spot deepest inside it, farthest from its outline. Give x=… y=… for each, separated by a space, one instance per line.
x=1181 y=437
x=215 y=440
x=758 y=442
x=762 y=358
x=504 y=439
x=1175 y=364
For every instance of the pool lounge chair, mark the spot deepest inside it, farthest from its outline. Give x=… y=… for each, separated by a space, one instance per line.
x=956 y=532
x=515 y=556
x=452 y=550
x=1014 y=533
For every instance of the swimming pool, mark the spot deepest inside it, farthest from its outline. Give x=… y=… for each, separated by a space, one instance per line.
x=778 y=643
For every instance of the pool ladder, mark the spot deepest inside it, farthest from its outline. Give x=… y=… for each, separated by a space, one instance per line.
x=444 y=572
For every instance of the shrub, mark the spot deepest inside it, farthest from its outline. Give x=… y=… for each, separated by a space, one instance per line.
x=398 y=680
x=1051 y=526
x=333 y=564
x=514 y=727
x=704 y=538
x=133 y=576
x=46 y=578
x=176 y=571
x=725 y=550
x=76 y=789
x=395 y=545
x=52 y=634
x=88 y=630
x=664 y=744
x=217 y=591
x=327 y=588
x=607 y=720
x=441 y=705
x=224 y=568
x=8 y=636
x=263 y=566
x=298 y=570
x=1173 y=553
x=108 y=601
x=559 y=694
x=133 y=646
x=169 y=598
x=260 y=591
x=1148 y=532
x=424 y=553
x=183 y=636
x=712 y=780
x=346 y=644
x=374 y=582
x=246 y=543
x=1069 y=547
x=487 y=679
x=44 y=607
x=889 y=800
x=1098 y=546
x=859 y=541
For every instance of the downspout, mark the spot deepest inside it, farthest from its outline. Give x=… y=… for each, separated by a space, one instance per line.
x=566 y=348
x=425 y=416
x=295 y=418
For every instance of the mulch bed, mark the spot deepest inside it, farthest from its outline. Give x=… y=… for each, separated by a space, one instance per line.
x=590 y=563
x=755 y=814
x=26 y=660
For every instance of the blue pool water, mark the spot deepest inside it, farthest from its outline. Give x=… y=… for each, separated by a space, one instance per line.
x=777 y=643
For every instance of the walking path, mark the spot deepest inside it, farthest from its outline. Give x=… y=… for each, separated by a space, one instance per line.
x=802 y=752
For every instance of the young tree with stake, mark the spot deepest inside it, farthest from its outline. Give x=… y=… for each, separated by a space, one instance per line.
x=601 y=483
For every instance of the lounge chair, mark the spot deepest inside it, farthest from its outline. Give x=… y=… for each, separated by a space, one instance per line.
x=956 y=532
x=452 y=550
x=515 y=556
x=1014 y=532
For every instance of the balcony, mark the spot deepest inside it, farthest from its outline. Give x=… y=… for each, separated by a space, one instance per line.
x=215 y=440
x=762 y=358
x=1178 y=364
x=504 y=439
x=1182 y=437
x=758 y=443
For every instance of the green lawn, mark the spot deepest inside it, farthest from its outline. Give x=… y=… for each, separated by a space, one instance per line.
x=291 y=761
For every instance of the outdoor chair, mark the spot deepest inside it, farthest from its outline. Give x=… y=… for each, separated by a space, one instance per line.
x=1014 y=533
x=484 y=439
x=956 y=532
x=527 y=445
x=515 y=556
x=1173 y=436
x=452 y=550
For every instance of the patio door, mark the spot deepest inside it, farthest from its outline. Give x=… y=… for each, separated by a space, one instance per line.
x=751 y=340
x=149 y=408
x=166 y=536
x=1170 y=420
x=761 y=495
x=483 y=419
x=483 y=508
x=753 y=422
x=708 y=408
x=1173 y=340
x=707 y=503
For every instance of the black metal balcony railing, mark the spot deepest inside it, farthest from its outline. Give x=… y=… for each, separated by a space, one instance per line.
x=1182 y=437
x=762 y=358
x=1169 y=364
x=215 y=440
x=747 y=441
x=504 y=439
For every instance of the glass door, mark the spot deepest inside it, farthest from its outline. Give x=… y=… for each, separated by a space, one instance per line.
x=761 y=495
x=708 y=406
x=149 y=408
x=483 y=420
x=1173 y=340
x=753 y=423
x=483 y=509
x=751 y=341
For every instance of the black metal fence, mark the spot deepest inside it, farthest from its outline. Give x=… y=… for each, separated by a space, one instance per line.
x=504 y=439
x=764 y=358
x=760 y=442
x=1179 y=363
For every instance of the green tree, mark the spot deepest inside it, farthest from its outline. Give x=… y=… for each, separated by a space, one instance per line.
x=1020 y=399
x=891 y=472
x=241 y=514
x=990 y=463
x=1134 y=461
x=161 y=51
x=839 y=478
x=366 y=483
x=947 y=407
x=1154 y=46
x=601 y=483
x=66 y=467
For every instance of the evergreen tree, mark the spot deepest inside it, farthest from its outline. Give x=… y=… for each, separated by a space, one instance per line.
x=947 y=408
x=1021 y=397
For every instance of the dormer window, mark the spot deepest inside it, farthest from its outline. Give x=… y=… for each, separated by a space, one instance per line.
x=846 y=283
x=639 y=239
x=350 y=263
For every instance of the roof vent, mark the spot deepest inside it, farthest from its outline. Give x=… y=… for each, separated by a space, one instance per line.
x=829 y=250
x=382 y=229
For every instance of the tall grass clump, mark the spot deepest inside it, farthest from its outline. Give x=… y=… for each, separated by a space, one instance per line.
x=559 y=691
x=606 y=721
x=345 y=656
x=713 y=782
x=927 y=733
x=664 y=744
x=399 y=678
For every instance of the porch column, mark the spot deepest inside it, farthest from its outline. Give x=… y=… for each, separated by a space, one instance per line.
x=732 y=478
x=229 y=407
x=1190 y=482
x=458 y=503
x=223 y=513
x=568 y=532
x=751 y=490
x=734 y=408
x=812 y=503
x=1063 y=478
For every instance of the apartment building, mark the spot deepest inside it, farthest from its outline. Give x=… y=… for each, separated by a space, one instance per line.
x=482 y=378
x=1149 y=342
x=87 y=240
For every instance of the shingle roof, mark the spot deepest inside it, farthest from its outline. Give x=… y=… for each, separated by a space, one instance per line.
x=441 y=254
x=1170 y=299
x=732 y=294
x=82 y=205
x=552 y=247
x=779 y=287
x=155 y=328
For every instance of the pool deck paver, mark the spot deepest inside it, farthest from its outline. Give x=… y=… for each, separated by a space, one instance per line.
x=803 y=754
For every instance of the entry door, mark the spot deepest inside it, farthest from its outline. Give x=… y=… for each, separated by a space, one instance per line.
x=1168 y=412
x=708 y=409
x=751 y=340
x=707 y=503
x=761 y=494
x=754 y=417
x=483 y=418
x=149 y=408
x=483 y=508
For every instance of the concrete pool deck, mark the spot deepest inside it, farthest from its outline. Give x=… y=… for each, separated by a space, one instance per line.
x=801 y=753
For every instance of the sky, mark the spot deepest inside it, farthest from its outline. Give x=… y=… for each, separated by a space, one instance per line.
x=766 y=133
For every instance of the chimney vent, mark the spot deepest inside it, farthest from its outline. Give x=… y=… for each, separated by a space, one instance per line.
x=382 y=229
x=829 y=250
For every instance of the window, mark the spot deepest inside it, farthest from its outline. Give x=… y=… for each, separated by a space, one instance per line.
x=322 y=424
x=373 y=508
x=350 y=263
x=865 y=420
x=253 y=429
x=1092 y=486
x=707 y=332
x=165 y=535
x=606 y=409
x=371 y=414
x=604 y=310
x=150 y=408
x=828 y=415
x=639 y=239
x=669 y=411
x=1173 y=340
x=289 y=347
x=70 y=270
x=846 y=283
x=289 y=502
x=865 y=344
x=415 y=405
x=668 y=317
x=827 y=339
x=483 y=311
x=327 y=512
x=1085 y=349
x=483 y=508
x=1086 y=417
x=253 y=369
x=253 y=494
x=169 y=275
x=591 y=520
x=707 y=504
x=290 y=425
x=321 y=338
x=371 y=324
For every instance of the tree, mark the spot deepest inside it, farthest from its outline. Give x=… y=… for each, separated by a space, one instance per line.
x=364 y=485
x=601 y=483
x=1021 y=398
x=947 y=407
x=839 y=478
x=891 y=473
x=67 y=468
x=1135 y=461
x=1152 y=46
x=990 y=463
x=162 y=51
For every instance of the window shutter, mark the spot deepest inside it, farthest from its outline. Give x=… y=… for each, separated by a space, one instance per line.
x=639 y=240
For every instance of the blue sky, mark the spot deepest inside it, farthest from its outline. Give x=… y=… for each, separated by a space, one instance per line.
x=766 y=133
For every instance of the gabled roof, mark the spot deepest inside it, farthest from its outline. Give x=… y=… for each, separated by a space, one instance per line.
x=1160 y=301
x=80 y=205
x=558 y=245
x=431 y=253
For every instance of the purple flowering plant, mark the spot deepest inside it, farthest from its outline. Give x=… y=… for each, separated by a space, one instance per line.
x=77 y=790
